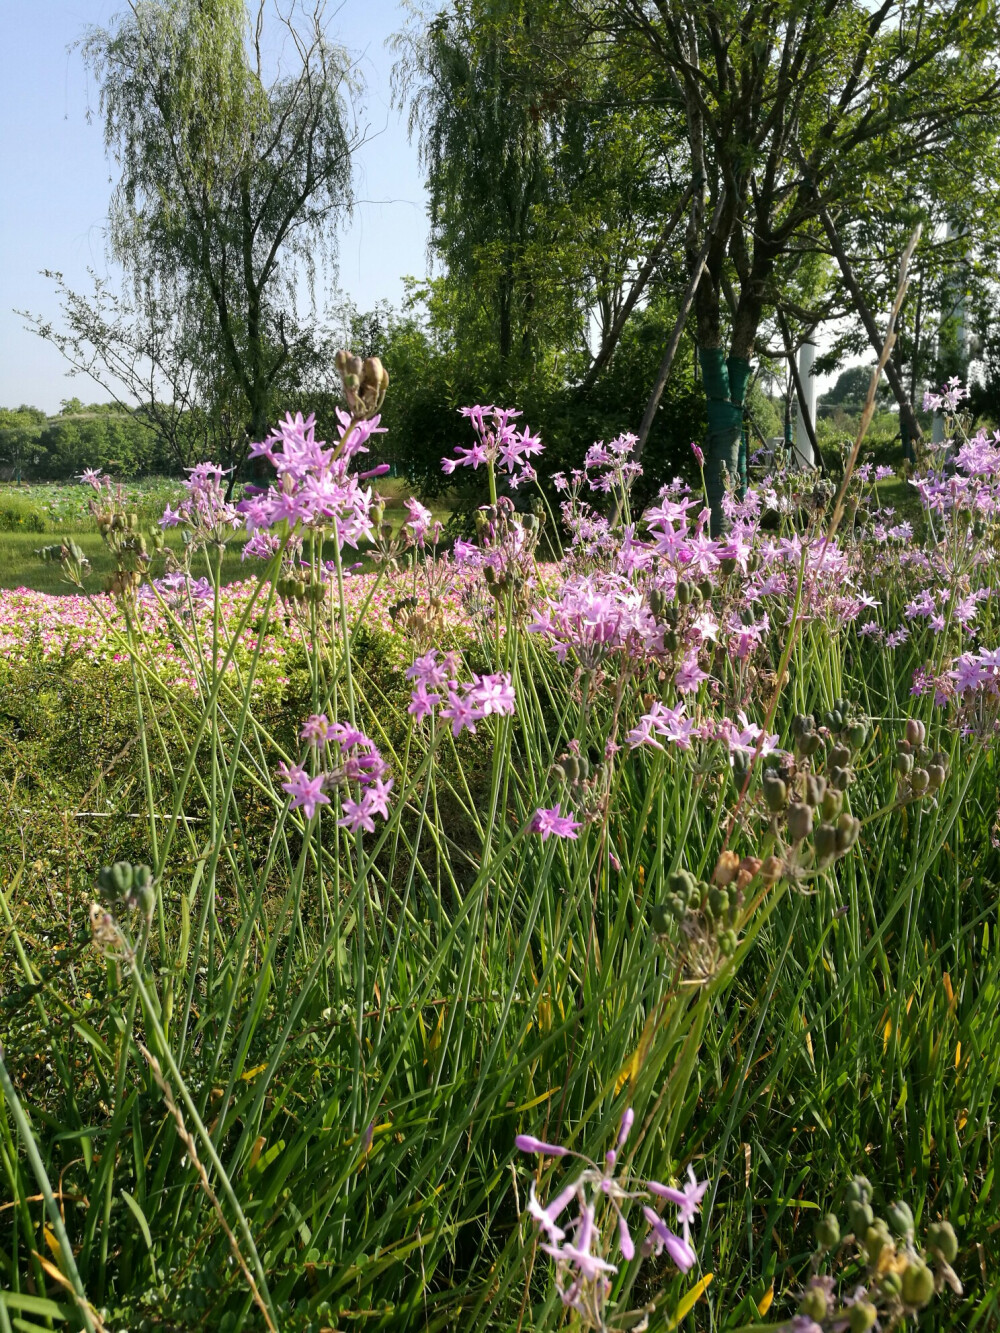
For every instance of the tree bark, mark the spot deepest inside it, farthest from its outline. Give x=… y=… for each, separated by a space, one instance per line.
x=610 y=341
x=675 y=338
x=907 y=416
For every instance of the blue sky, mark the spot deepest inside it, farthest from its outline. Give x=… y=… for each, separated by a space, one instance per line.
x=57 y=180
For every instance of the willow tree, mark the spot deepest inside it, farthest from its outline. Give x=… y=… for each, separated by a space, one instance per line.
x=233 y=169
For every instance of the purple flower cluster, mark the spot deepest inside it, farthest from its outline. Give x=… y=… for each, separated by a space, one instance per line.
x=358 y=768
x=205 y=510
x=499 y=444
x=577 y=1247
x=461 y=704
x=315 y=487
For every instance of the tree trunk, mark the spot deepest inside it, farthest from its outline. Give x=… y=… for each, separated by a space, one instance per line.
x=725 y=389
x=907 y=416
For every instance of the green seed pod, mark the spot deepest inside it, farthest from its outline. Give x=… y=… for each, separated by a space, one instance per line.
x=657 y=602
x=891 y=1284
x=840 y=778
x=815 y=789
x=903 y=764
x=316 y=594
x=900 y=1219
x=842 y=706
x=862 y=1316
x=685 y=591
x=859 y=1217
x=860 y=1188
x=717 y=902
x=839 y=757
x=918 y=1284
x=147 y=899
x=920 y=780
x=105 y=882
x=659 y=918
x=775 y=792
x=801 y=723
x=800 y=820
x=728 y=943
x=937 y=775
x=825 y=841
x=876 y=1239
x=705 y=588
x=584 y=763
x=671 y=641
x=558 y=772
x=941 y=1238
x=529 y=523
x=827 y=720
x=814 y=1303
x=857 y=735
x=810 y=743
x=828 y=1232
x=376 y=513
x=833 y=803
x=677 y=906
x=848 y=830
x=121 y=878
x=915 y=731
x=681 y=881
x=142 y=878
x=940 y=760
x=298 y=589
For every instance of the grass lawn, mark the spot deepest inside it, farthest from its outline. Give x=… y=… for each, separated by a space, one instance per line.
x=20 y=567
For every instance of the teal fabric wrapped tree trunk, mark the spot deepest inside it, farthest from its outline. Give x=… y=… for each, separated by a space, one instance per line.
x=725 y=388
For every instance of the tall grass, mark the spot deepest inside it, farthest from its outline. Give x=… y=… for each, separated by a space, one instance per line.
x=291 y=1097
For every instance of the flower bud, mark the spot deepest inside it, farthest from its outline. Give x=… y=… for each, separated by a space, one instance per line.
x=839 y=757
x=859 y=1190
x=728 y=943
x=828 y=1232
x=941 y=1239
x=825 y=841
x=814 y=1303
x=847 y=831
x=918 y=1284
x=717 y=903
x=862 y=1316
x=659 y=918
x=876 y=1239
x=772 y=869
x=833 y=803
x=800 y=820
x=915 y=731
x=815 y=789
x=121 y=878
x=859 y=1217
x=890 y=1284
x=857 y=735
x=726 y=869
x=900 y=1219
x=682 y=882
